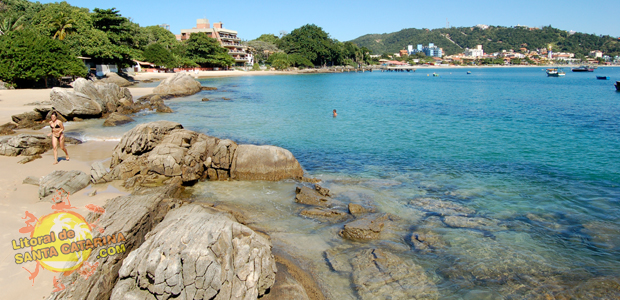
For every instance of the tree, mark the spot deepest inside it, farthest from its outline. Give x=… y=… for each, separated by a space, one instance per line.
x=157 y=54
x=10 y=23
x=63 y=24
x=27 y=57
x=120 y=33
x=311 y=42
x=207 y=51
x=279 y=61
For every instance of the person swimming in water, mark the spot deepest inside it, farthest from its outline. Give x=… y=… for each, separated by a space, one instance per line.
x=335 y=114
x=58 y=136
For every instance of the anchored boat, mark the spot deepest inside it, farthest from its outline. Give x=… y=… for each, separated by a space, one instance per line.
x=617 y=85
x=555 y=72
x=583 y=69
x=602 y=77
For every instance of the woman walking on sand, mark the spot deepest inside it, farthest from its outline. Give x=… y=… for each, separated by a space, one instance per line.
x=58 y=136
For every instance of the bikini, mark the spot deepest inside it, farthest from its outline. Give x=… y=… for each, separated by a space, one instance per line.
x=58 y=137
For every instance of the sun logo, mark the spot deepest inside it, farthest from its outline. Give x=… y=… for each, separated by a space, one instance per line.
x=59 y=242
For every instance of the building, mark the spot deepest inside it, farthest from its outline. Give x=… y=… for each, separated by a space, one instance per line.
x=227 y=38
x=478 y=52
x=402 y=53
x=595 y=54
x=431 y=50
x=165 y=26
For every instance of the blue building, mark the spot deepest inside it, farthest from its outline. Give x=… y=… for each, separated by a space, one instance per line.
x=431 y=50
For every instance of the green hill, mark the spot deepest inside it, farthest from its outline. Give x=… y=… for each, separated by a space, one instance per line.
x=493 y=39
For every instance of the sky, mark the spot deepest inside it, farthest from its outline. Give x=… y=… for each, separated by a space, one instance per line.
x=346 y=20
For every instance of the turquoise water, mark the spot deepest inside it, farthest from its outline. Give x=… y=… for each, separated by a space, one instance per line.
x=538 y=154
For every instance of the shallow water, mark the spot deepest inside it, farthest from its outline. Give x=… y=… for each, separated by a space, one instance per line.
x=539 y=155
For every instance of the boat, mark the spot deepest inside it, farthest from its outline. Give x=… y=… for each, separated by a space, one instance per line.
x=583 y=69
x=617 y=85
x=602 y=77
x=435 y=75
x=468 y=72
x=555 y=72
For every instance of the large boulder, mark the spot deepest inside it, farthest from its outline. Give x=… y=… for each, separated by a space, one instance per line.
x=265 y=163
x=133 y=216
x=74 y=104
x=198 y=253
x=108 y=95
x=181 y=84
x=165 y=148
x=24 y=144
x=69 y=181
x=116 y=79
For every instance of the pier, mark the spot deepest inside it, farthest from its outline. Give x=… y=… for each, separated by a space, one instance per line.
x=397 y=69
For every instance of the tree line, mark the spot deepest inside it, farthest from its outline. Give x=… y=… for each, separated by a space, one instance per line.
x=42 y=41
x=493 y=39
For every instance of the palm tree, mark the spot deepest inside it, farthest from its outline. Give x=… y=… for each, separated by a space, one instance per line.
x=63 y=25
x=11 y=24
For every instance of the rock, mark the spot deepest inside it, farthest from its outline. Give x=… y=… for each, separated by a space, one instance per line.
x=358 y=210
x=31 y=180
x=5 y=86
x=264 y=163
x=474 y=222
x=31 y=115
x=224 y=98
x=109 y=96
x=98 y=173
x=367 y=228
x=133 y=216
x=7 y=128
x=308 y=196
x=287 y=286
x=441 y=207
x=208 y=88
x=29 y=159
x=181 y=84
x=325 y=214
x=74 y=104
x=323 y=191
x=113 y=77
x=69 y=181
x=197 y=253
x=426 y=240
x=607 y=287
x=603 y=234
x=379 y=274
x=24 y=144
x=205 y=99
x=116 y=119
x=93 y=193
x=141 y=139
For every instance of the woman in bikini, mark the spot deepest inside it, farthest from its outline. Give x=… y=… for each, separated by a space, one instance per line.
x=58 y=136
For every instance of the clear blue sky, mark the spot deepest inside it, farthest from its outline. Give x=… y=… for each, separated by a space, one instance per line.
x=346 y=20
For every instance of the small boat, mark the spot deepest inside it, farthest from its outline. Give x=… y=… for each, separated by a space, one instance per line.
x=583 y=69
x=555 y=72
x=435 y=75
x=468 y=72
x=602 y=77
x=617 y=85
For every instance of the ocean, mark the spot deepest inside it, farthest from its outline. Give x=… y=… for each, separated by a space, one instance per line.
x=533 y=162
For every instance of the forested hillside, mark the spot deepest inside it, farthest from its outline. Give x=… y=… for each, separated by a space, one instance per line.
x=493 y=39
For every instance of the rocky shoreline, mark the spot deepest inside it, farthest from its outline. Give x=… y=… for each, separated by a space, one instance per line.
x=180 y=247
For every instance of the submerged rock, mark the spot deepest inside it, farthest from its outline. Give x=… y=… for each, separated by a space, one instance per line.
x=181 y=84
x=197 y=253
x=69 y=181
x=366 y=228
x=441 y=207
x=308 y=196
x=325 y=214
x=379 y=274
x=474 y=222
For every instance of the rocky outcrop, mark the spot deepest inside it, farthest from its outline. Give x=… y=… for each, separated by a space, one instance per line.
x=99 y=173
x=366 y=228
x=109 y=96
x=5 y=86
x=116 y=79
x=325 y=214
x=165 y=148
x=68 y=181
x=116 y=119
x=133 y=216
x=181 y=84
x=308 y=196
x=380 y=274
x=265 y=163
x=74 y=104
x=441 y=207
x=198 y=253
x=28 y=144
x=7 y=128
